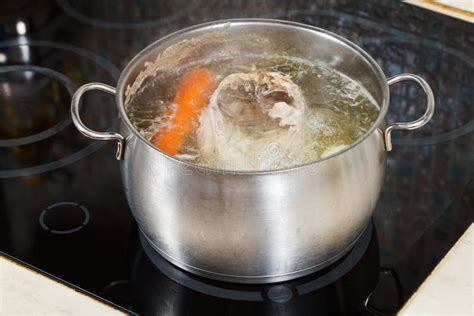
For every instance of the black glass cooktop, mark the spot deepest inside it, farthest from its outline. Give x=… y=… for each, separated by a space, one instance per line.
x=62 y=207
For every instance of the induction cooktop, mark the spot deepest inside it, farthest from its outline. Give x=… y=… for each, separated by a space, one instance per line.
x=62 y=207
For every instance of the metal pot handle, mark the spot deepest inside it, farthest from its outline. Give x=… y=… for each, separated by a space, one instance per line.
x=76 y=118
x=425 y=118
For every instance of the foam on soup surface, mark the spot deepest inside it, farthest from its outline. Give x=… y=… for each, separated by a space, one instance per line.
x=250 y=113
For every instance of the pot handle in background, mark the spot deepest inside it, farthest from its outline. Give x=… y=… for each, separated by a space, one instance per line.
x=425 y=118
x=76 y=118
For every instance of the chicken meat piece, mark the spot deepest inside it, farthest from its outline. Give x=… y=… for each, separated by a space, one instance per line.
x=253 y=122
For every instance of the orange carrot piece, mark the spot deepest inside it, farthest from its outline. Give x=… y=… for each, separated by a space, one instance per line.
x=193 y=93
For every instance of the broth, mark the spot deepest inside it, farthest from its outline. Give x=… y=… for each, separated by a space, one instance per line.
x=338 y=111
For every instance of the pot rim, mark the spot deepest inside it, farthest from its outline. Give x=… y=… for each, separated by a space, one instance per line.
x=143 y=54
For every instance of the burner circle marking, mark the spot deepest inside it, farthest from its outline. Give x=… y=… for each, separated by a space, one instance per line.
x=66 y=6
x=256 y=293
x=68 y=231
x=84 y=152
x=444 y=136
x=280 y=294
x=62 y=124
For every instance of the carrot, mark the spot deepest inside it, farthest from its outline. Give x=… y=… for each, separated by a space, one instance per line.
x=193 y=93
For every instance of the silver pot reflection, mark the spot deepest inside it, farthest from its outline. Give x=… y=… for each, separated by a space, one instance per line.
x=253 y=227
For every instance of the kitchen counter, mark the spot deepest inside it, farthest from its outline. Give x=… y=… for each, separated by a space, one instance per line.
x=25 y=291
x=450 y=287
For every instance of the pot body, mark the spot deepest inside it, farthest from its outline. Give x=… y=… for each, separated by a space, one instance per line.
x=253 y=227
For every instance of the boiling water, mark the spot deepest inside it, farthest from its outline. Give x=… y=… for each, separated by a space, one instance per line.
x=338 y=109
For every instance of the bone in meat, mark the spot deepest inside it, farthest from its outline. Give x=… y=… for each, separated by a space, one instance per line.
x=253 y=121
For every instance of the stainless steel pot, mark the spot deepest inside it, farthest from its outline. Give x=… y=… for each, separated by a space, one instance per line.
x=252 y=227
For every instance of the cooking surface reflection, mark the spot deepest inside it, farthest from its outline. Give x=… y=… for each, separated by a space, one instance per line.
x=159 y=288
